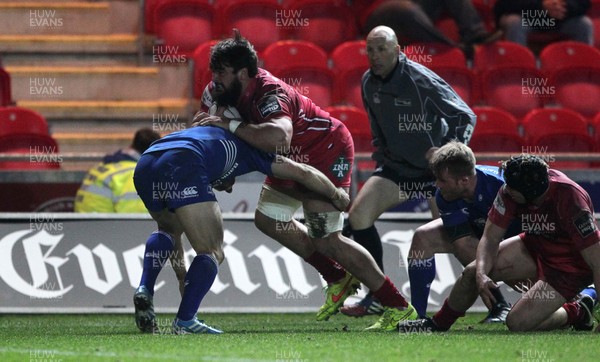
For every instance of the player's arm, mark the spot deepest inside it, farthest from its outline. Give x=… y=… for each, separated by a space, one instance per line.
x=487 y=253
x=311 y=178
x=274 y=136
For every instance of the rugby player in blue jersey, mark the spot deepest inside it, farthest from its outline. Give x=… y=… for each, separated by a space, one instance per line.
x=464 y=197
x=175 y=178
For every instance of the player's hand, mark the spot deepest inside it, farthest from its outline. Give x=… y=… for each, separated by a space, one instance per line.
x=200 y=115
x=340 y=199
x=484 y=286
x=212 y=121
x=226 y=186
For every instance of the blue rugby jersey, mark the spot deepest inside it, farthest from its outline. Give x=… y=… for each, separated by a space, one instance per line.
x=462 y=218
x=225 y=155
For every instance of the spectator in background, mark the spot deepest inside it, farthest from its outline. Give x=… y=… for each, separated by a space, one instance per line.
x=413 y=21
x=108 y=187
x=518 y=18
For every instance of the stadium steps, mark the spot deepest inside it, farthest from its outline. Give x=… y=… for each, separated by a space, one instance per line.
x=107 y=109
x=50 y=17
x=69 y=43
x=84 y=82
x=81 y=58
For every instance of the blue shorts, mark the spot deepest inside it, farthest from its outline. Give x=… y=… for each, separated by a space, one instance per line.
x=172 y=179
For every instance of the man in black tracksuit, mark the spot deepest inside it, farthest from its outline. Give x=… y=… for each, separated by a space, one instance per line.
x=412 y=112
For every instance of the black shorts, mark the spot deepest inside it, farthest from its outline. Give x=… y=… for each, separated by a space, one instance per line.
x=424 y=184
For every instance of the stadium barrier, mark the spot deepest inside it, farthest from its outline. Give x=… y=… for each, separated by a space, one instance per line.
x=74 y=263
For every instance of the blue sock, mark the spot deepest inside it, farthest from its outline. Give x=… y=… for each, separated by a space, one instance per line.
x=421 y=273
x=198 y=280
x=158 y=248
x=591 y=291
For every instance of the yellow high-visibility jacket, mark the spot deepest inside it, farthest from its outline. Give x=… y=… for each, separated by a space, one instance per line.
x=108 y=187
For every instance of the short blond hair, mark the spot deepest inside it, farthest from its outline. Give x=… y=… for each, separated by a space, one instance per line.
x=455 y=157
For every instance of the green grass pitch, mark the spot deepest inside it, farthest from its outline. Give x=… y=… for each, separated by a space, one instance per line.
x=278 y=337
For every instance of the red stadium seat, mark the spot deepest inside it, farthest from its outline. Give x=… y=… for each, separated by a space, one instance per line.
x=5 y=88
x=496 y=131
x=327 y=23
x=316 y=83
x=348 y=88
x=448 y=26
x=574 y=70
x=568 y=54
x=558 y=130
x=350 y=62
x=256 y=20
x=39 y=147
x=515 y=89
x=436 y=55
x=577 y=89
x=350 y=55
x=201 y=57
x=502 y=53
x=293 y=53
x=17 y=120
x=182 y=25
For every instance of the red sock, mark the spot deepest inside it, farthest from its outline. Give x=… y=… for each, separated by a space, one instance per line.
x=574 y=312
x=389 y=296
x=329 y=269
x=446 y=316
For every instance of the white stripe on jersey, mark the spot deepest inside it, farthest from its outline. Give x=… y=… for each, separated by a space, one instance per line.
x=230 y=155
x=315 y=119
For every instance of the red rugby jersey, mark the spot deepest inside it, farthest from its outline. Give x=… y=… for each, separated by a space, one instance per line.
x=559 y=228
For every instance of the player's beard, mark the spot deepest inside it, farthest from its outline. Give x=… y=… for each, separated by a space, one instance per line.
x=230 y=96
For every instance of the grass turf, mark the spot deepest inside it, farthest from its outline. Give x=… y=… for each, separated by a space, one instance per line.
x=278 y=337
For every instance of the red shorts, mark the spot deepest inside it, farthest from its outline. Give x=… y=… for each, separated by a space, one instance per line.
x=568 y=284
x=333 y=155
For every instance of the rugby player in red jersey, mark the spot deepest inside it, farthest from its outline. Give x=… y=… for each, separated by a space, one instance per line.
x=277 y=118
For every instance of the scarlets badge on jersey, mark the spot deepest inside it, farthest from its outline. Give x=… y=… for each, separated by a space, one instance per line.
x=268 y=106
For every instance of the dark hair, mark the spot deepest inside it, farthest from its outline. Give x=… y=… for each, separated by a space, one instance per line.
x=455 y=157
x=527 y=174
x=236 y=52
x=143 y=139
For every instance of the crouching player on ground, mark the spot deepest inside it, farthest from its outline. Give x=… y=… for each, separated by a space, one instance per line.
x=560 y=248
x=465 y=193
x=187 y=165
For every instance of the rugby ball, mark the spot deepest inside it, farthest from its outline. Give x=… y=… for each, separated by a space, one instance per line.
x=230 y=113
